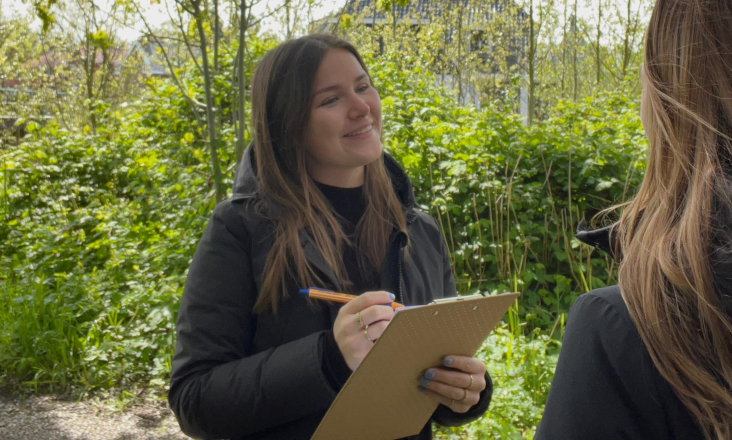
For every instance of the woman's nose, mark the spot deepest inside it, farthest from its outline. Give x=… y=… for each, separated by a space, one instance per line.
x=359 y=107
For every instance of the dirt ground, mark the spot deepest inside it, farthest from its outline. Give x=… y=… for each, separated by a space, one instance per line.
x=53 y=418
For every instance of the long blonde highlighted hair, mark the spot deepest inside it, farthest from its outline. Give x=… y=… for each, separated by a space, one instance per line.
x=668 y=231
x=281 y=102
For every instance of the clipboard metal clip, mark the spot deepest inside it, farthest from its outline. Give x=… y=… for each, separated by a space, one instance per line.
x=457 y=298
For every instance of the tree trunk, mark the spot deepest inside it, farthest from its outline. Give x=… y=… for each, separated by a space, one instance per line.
x=460 y=56
x=598 y=64
x=288 y=28
x=217 y=31
x=90 y=67
x=575 y=93
x=532 y=62
x=373 y=28
x=564 y=51
x=210 y=117
x=626 y=44
x=241 y=126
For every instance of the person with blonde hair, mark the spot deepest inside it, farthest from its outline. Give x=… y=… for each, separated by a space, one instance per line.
x=651 y=358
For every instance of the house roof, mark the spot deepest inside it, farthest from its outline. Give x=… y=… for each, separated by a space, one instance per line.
x=152 y=61
x=53 y=59
x=426 y=9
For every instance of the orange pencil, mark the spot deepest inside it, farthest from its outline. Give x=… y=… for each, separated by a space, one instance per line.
x=329 y=295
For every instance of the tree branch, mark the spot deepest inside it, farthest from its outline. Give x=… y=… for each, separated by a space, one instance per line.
x=177 y=81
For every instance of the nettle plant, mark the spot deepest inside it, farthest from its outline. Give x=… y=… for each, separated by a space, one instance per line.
x=509 y=198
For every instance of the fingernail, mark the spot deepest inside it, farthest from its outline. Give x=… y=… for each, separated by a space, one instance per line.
x=424 y=382
x=429 y=374
x=422 y=390
x=392 y=296
x=447 y=361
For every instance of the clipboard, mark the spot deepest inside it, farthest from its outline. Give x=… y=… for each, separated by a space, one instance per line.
x=380 y=400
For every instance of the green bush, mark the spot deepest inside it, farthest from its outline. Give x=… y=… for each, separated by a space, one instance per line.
x=522 y=368
x=509 y=197
x=100 y=232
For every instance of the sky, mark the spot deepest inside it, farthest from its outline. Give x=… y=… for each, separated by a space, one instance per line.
x=156 y=15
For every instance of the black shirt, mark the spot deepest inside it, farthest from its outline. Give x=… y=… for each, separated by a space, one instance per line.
x=350 y=205
x=606 y=385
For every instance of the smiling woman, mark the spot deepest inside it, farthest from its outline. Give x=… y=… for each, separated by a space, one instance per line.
x=316 y=203
x=343 y=134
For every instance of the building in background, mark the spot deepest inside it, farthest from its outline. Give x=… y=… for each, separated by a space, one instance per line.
x=478 y=18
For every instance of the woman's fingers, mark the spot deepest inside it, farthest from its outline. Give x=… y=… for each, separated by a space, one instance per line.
x=367 y=300
x=354 y=339
x=457 y=379
x=457 y=385
x=453 y=398
x=466 y=364
x=376 y=330
x=375 y=314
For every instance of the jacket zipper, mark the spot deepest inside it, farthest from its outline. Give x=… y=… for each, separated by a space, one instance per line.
x=400 y=258
x=400 y=296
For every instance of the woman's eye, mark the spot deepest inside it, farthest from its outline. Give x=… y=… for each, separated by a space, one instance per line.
x=329 y=101
x=363 y=88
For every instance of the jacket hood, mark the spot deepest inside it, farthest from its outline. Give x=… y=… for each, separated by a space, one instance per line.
x=246 y=182
x=599 y=238
x=720 y=256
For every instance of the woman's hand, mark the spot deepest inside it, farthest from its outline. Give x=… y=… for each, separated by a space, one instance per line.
x=457 y=385
x=360 y=323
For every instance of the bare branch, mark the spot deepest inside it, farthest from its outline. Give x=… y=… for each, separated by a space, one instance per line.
x=253 y=23
x=193 y=103
x=183 y=32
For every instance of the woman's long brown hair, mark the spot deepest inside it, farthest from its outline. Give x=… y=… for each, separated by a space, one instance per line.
x=667 y=232
x=281 y=102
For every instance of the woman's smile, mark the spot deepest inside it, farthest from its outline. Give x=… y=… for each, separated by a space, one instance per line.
x=343 y=133
x=361 y=133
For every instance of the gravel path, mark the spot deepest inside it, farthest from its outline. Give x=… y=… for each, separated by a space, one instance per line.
x=50 y=418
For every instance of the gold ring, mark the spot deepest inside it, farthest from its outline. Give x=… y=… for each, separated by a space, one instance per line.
x=366 y=333
x=471 y=381
x=358 y=319
x=465 y=397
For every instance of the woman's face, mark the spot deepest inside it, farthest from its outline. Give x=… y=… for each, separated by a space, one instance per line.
x=344 y=131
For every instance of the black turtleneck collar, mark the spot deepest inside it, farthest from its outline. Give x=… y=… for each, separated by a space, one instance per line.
x=349 y=203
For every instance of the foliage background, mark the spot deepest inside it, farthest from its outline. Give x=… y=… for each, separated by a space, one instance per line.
x=101 y=212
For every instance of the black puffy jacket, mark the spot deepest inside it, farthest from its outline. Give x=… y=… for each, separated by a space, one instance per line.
x=239 y=375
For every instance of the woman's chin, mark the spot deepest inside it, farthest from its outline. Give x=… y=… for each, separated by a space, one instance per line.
x=365 y=152
x=373 y=153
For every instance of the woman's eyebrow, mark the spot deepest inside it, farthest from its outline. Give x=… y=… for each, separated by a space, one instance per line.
x=337 y=86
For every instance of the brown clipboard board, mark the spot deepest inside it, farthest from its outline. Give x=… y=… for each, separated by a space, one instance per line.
x=380 y=401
